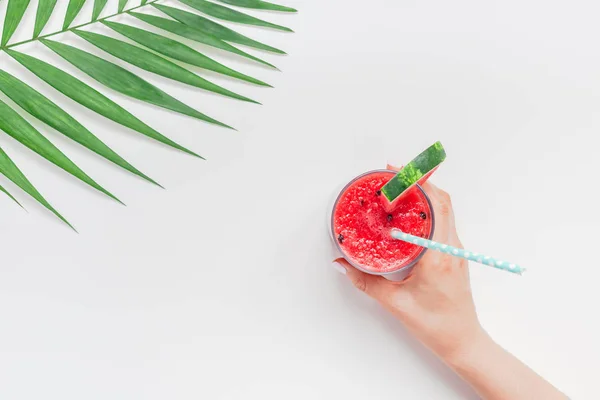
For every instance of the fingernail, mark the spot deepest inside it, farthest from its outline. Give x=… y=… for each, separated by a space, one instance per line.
x=339 y=267
x=394 y=166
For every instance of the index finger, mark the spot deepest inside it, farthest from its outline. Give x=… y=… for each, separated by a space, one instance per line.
x=444 y=214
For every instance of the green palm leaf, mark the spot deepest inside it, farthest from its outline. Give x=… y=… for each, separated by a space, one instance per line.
x=90 y=97
x=6 y=192
x=212 y=28
x=72 y=11
x=122 y=4
x=123 y=81
x=259 y=5
x=14 y=13
x=178 y=51
x=44 y=11
x=151 y=52
x=98 y=7
x=151 y=62
x=195 y=34
x=46 y=111
x=227 y=14
x=12 y=172
x=17 y=127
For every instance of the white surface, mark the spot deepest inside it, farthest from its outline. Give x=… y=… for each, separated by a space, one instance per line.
x=220 y=286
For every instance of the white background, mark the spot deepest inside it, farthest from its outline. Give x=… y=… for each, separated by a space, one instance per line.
x=220 y=287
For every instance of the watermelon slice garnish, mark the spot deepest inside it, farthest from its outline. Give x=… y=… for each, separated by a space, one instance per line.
x=415 y=172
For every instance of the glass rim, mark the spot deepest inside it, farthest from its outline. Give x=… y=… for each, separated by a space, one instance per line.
x=350 y=261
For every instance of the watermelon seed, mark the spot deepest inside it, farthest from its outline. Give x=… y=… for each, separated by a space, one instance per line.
x=423 y=215
x=378 y=193
x=389 y=217
x=362 y=202
x=341 y=238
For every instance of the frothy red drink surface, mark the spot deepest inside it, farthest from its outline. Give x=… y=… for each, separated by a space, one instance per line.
x=362 y=226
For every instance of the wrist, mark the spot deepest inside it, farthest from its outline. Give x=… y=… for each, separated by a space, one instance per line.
x=473 y=348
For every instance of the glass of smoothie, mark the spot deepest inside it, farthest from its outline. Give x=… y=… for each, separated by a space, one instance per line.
x=360 y=226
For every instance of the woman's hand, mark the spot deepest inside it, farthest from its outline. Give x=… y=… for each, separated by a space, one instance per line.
x=434 y=302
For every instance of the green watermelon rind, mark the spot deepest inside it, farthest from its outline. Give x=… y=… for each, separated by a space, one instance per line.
x=412 y=172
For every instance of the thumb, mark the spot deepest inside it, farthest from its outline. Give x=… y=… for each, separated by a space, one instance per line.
x=374 y=286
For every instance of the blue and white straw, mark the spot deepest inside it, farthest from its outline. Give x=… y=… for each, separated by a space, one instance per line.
x=468 y=255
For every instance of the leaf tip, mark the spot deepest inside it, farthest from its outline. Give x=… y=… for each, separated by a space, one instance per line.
x=261 y=83
x=251 y=101
x=191 y=153
x=215 y=122
x=63 y=219
x=112 y=196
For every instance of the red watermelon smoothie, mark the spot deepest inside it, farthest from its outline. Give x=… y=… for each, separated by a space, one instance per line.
x=361 y=226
